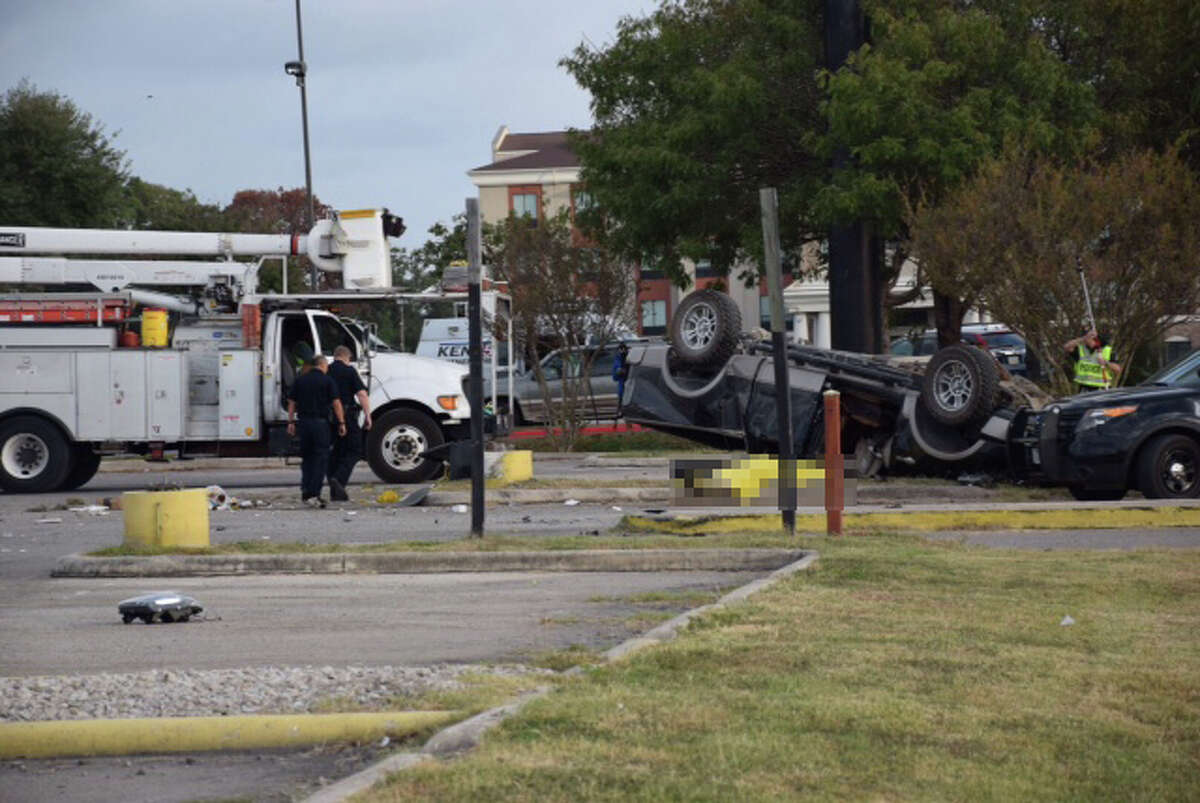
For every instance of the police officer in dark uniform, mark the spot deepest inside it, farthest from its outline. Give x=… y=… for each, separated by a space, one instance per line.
x=348 y=448
x=311 y=398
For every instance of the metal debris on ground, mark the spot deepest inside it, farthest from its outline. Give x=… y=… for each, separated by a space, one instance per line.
x=91 y=510
x=160 y=606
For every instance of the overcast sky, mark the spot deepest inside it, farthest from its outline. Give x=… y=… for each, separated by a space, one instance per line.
x=404 y=96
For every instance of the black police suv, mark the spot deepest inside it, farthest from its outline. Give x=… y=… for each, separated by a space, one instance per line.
x=1103 y=443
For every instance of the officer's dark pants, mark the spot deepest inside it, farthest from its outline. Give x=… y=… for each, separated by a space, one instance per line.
x=314 y=455
x=346 y=451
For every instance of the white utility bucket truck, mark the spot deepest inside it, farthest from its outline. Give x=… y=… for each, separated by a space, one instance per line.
x=209 y=369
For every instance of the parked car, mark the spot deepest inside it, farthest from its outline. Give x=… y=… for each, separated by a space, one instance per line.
x=1101 y=443
x=1006 y=346
x=599 y=395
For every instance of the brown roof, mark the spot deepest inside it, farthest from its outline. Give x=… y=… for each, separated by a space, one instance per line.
x=557 y=155
x=532 y=142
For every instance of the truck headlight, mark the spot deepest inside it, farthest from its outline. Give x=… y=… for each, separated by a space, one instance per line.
x=1102 y=415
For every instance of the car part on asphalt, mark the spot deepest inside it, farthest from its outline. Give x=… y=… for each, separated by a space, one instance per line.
x=162 y=606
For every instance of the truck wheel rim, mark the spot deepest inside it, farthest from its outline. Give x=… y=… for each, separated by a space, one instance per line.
x=402 y=446
x=699 y=326
x=24 y=455
x=1179 y=471
x=953 y=386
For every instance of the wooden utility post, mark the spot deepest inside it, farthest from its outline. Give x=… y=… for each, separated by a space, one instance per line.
x=768 y=199
x=475 y=360
x=835 y=473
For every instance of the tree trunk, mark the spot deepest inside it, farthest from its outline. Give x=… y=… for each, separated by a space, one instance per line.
x=948 y=314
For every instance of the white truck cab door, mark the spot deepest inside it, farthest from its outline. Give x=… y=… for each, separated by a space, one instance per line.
x=282 y=335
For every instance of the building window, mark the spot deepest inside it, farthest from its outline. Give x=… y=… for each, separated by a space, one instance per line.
x=654 y=317
x=705 y=269
x=525 y=201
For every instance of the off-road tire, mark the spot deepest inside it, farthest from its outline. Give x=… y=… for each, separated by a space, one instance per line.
x=393 y=441
x=705 y=329
x=1168 y=467
x=35 y=457
x=960 y=386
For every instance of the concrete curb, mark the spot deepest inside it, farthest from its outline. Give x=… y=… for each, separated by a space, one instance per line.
x=466 y=735
x=118 y=737
x=597 y=560
x=534 y=496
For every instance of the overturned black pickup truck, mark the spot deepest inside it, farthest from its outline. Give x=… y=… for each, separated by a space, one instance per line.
x=713 y=386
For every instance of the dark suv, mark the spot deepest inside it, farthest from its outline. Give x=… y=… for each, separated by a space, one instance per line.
x=1145 y=437
x=1006 y=346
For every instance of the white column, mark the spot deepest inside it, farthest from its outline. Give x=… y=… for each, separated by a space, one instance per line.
x=824 y=331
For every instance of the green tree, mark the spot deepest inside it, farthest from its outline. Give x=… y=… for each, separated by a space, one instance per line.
x=57 y=166
x=1012 y=238
x=154 y=206
x=696 y=107
x=704 y=101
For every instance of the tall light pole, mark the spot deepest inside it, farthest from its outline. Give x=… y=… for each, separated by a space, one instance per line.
x=299 y=69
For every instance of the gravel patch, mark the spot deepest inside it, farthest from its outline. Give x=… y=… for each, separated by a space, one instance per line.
x=227 y=692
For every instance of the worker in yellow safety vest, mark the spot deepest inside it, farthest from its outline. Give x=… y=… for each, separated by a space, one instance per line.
x=1094 y=368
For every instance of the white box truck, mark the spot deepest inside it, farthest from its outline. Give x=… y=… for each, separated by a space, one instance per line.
x=79 y=382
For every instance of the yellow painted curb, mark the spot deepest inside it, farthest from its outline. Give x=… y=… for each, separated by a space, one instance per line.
x=118 y=737
x=166 y=518
x=514 y=466
x=932 y=521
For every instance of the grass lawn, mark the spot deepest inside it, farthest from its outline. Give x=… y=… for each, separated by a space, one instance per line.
x=894 y=669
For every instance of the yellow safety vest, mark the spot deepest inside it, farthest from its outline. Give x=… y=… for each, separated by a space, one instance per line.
x=1089 y=371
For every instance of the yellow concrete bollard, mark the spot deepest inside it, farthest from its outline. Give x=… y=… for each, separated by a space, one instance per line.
x=166 y=518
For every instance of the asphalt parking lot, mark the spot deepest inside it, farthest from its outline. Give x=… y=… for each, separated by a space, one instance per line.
x=70 y=626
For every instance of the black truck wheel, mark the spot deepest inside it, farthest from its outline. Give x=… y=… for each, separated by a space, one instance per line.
x=1169 y=468
x=705 y=329
x=960 y=385
x=85 y=465
x=395 y=442
x=34 y=455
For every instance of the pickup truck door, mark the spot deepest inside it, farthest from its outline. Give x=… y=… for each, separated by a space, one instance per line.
x=331 y=333
x=282 y=334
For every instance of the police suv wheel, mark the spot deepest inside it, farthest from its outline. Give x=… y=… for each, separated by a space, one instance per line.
x=1169 y=468
x=394 y=444
x=34 y=455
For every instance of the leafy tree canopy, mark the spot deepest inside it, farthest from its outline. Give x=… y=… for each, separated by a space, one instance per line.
x=1011 y=239
x=696 y=107
x=154 y=206
x=57 y=166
